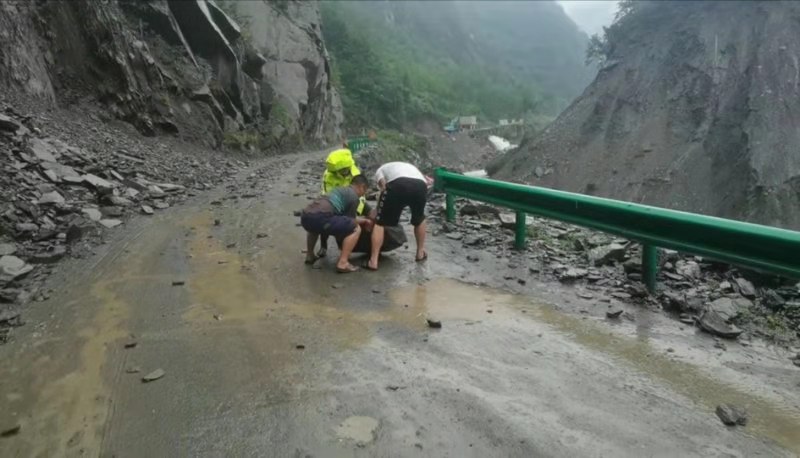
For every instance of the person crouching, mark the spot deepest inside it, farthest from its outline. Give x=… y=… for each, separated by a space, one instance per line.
x=336 y=215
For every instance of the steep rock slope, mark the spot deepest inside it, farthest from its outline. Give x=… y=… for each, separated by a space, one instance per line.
x=696 y=109
x=172 y=66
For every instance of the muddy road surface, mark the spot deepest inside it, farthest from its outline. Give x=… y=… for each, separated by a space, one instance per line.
x=264 y=356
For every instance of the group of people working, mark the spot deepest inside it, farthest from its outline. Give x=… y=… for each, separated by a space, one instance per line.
x=343 y=212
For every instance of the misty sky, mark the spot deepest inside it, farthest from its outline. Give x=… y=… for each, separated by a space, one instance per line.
x=590 y=15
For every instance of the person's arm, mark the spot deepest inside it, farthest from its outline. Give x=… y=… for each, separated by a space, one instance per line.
x=380 y=179
x=367 y=207
x=325 y=183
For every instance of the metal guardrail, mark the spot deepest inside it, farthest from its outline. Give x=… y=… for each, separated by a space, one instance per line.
x=763 y=248
x=357 y=143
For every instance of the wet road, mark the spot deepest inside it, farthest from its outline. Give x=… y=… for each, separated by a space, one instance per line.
x=267 y=357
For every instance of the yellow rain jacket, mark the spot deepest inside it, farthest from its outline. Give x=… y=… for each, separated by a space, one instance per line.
x=337 y=160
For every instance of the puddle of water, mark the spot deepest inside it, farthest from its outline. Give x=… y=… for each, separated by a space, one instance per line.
x=225 y=284
x=70 y=410
x=218 y=282
x=452 y=300
x=358 y=429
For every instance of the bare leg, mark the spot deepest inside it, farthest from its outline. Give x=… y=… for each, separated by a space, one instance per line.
x=348 y=244
x=419 y=234
x=311 y=241
x=377 y=243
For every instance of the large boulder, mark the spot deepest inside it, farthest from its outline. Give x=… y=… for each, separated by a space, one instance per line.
x=729 y=308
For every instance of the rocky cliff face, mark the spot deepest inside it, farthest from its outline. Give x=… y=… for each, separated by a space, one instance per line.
x=178 y=67
x=696 y=108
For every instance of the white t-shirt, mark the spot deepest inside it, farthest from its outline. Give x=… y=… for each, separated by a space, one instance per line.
x=394 y=170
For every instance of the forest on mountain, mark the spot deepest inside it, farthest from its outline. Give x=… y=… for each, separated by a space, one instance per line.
x=396 y=62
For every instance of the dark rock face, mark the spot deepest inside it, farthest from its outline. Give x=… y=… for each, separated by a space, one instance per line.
x=178 y=67
x=684 y=115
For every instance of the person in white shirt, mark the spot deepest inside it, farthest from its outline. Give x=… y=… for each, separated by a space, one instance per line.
x=402 y=185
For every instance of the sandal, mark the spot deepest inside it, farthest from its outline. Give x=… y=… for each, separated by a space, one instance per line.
x=349 y=269
x=366 y=265
x=310 y=261
x=423 y=258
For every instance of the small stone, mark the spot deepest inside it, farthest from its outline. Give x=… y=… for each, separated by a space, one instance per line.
x=51 y=175
x=686 y=318
x=714 y=324
x=614 y=312
x=52 y=198
x=117 y=201
x=217 y=222
x=178 y=282
x=153 y=376
x=147 y=210
x=454 y=236
x=9 y=295
x=131 y=344
x=92 y=213
x=261 y=235
x=473 y=240
x=133 y=370
x=435 y=324
x=688 y=269
x=9 y=124
x=746 y=288
x=161 y=205
x=376 y=291
x=110 y=223
x=607 y=254
x=731 y=415
x=112 y=211
x=101 y=185
x=7 y=249
x=12 y=267
x=50 y=256
x=725 y=286
x=584 y=295
x=12 y=431
x=337 y=286
x=300 y=347
x=728 y=308
x=572 y=274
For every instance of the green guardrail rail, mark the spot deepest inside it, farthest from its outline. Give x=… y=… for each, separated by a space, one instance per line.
x=357 y=143
x=763 y=248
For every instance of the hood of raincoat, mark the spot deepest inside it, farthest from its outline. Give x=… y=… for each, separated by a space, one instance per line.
x=341 y=159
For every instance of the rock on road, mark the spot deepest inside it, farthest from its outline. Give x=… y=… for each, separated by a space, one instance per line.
x=251 y=353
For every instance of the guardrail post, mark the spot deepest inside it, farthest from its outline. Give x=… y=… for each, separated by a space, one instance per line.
x=520 y=230
x=450 y=207
x=649 y=266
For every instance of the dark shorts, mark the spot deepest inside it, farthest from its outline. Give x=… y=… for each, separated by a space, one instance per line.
x=328 y=224
x=399 y=194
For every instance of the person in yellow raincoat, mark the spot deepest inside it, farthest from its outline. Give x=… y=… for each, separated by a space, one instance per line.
x=340 y=168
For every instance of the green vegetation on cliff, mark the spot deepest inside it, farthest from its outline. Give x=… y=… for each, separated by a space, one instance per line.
x=397 y=62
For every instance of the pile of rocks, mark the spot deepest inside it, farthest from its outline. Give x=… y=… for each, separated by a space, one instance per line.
x=717 y=297
x=54 y=194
